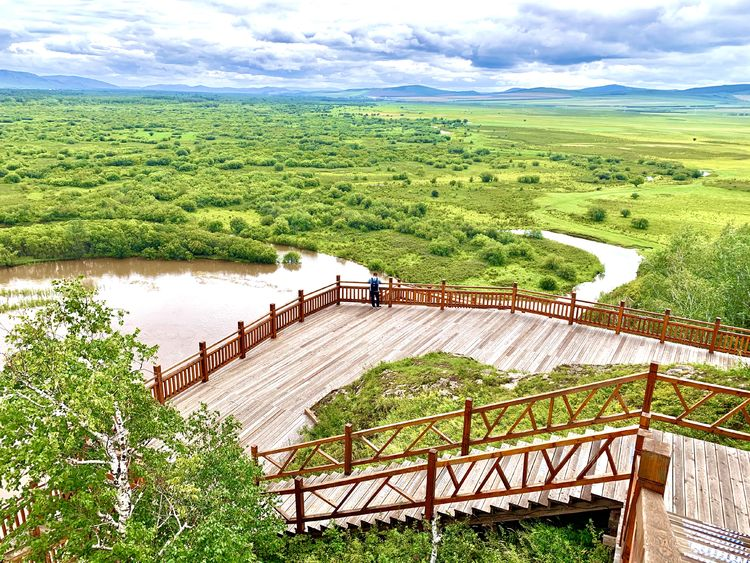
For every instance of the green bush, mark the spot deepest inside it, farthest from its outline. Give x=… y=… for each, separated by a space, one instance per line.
x=531 y=179
x=625 y=213
x=291 y=258
x=596 y=214
x=487 y=177
x=237 y=225
x=640 y=223
x=548 y=283
x=494 y=255
x=443 y=246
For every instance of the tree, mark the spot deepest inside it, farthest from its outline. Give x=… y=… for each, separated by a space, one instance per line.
x=106 y=472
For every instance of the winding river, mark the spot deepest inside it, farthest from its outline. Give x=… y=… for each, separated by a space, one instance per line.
x=620 y=264
x=177 y=304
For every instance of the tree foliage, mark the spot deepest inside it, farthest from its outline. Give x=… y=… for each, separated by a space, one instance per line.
x=696 y=277
x=106 y=472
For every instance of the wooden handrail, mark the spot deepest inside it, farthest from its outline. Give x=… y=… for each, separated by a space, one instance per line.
x=336 y=492
x=503 y=421
x=582 y=406
x=712 y=336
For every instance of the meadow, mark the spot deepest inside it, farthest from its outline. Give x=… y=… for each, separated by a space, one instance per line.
x=420 y=191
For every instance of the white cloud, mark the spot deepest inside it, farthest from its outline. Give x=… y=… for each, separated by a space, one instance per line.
x=326 y=43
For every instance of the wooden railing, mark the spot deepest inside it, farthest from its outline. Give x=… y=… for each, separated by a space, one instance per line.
x=684 y=403
x=464 y=478
x=665 y=327
x=543 y=467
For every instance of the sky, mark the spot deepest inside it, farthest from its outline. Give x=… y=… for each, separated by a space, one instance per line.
x=467 y=44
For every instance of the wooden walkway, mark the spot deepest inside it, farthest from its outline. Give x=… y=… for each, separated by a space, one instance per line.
x=269 y=390
x=707 y=482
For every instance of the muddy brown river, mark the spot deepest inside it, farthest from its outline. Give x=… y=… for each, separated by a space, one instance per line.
x=177 y=304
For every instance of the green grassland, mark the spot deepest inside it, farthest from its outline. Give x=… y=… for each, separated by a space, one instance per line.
x=420 y=191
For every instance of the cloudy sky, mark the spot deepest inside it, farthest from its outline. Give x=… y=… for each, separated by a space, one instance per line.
x=491 y=44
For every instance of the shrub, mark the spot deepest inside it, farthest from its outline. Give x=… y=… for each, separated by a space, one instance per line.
x=625 y=213
x=519 y=250
x=215 y=226
x=534 y=234
x=12 y=178
x=531 y=179
x=567 y=272
x=635 y=195
x=291 y=258
x=596 y=214
x=443 y=246
x=548 y=283
x=435 y=193
x=237 y=225
x=487 y=177
x=494 y=255
x=640 y=223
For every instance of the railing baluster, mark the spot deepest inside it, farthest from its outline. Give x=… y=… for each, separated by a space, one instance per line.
x=348 y=449
x=429 y=494
x=299 y=504
x=466 y=434
x=203 y=362
x=714 y=335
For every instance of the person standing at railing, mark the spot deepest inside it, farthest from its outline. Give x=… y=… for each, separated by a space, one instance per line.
x=375 y=290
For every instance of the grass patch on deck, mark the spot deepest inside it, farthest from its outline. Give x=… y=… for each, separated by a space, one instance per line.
x=439 y=382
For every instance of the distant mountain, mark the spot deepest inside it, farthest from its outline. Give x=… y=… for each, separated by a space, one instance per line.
x=261 y=91
x=27 y=80
x=415 y=92
x=410 y=91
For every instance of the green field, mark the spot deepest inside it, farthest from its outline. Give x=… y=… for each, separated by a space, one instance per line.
x=420 y=191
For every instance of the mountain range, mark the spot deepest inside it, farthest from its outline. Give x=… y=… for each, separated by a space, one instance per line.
x=12 y=80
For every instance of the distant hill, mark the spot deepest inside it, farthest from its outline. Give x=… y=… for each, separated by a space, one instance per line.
x=27 y=81
x=414 y=92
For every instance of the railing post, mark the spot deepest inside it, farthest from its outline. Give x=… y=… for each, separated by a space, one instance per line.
x=272 y=313
x=204 y=361
x=338 y=290
x=158 y=385
x=571 y=316
x=663 y=336
x=653 y=371
x=466 y=435
x=241 y=336
x=429 y=494
x=301 y=296
x=620 y=314
x=442 y=295
x=715 y=335
x=513 y=298
x=390 y=291
x=348 y=448
x=254 y=455
x=651 y=477
x=299 y=504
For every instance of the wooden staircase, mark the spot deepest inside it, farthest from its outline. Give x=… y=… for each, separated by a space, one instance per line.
x=520 y=466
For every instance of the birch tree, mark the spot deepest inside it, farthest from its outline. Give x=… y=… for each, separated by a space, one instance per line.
x=105 y=471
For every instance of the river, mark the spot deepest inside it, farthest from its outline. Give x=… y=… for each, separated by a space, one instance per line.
x=620 y=264
x=177 y=304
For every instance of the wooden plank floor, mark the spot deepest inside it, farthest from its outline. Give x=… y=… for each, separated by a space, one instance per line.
x=269 y=390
